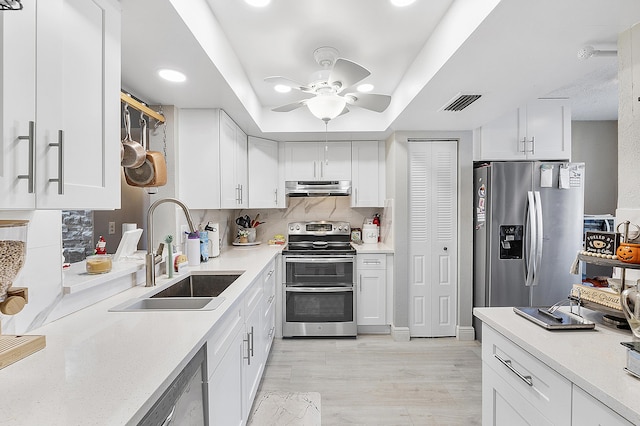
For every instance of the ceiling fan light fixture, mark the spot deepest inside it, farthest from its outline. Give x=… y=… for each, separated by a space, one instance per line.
x=326 y=107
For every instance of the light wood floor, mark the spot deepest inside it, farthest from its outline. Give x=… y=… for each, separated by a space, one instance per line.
x=373 y=380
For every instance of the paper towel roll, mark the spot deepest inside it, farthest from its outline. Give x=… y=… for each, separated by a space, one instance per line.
x=214 y=240
x=193 y=250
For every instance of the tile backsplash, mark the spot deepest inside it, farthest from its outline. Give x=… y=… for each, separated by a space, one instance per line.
x=298 y=209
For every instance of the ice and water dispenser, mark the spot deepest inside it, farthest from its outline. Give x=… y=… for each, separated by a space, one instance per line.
x=511 y=241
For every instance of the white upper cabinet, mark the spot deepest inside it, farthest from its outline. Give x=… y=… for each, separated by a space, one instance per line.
x=233 y=164
x=367 y=174
x=212 y=160
x=69 y=88
x=264 y=183
x=540 y=130
x=318 y=161
x=199 y=158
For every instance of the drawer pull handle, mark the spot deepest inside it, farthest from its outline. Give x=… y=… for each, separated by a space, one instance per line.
x=371 y=262
x=507 y=363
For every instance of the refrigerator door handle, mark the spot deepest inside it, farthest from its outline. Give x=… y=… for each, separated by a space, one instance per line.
x=539 y=235
x=529 y=265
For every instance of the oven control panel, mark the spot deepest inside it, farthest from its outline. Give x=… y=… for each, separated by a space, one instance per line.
x=320 y=228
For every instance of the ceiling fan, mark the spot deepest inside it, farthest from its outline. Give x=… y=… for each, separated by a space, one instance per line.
x=327 y=100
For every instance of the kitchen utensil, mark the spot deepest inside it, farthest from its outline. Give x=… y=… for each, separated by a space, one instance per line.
x=244 y=222
x=134 y=153
x=254 y=222
x=153 y=170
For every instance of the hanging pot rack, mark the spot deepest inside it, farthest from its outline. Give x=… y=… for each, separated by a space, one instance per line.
x=136 y=104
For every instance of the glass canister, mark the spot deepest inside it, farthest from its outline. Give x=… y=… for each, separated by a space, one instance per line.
x=13 y=251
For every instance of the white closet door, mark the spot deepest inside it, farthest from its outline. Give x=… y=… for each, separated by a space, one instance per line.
x=433 y=238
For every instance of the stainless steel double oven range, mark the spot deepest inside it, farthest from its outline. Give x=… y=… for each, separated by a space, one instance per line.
x=319 y=281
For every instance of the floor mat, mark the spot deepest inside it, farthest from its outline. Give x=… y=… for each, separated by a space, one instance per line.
x=286 y=408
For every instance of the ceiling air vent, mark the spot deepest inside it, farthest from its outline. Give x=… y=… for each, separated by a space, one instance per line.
x=460 y=102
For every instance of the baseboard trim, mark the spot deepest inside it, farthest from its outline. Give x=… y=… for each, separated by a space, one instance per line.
x=374 y=329
x=465 y=333
x=400 y=334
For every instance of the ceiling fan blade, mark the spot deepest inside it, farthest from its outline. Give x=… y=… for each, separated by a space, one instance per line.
x=287 y=82
x=371 y=101
x=347 y=73
x=290 y=107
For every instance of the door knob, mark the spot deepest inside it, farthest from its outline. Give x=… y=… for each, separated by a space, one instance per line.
x=445 y=249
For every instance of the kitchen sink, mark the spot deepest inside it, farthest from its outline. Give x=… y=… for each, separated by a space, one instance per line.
x=210 y=285
x=173 y=304
x=193 y=293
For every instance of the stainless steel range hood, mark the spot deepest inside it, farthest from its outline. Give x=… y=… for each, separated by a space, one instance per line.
x=307 y=188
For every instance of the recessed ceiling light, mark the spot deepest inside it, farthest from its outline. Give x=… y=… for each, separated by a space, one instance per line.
x=402 y=3
x=172 y=75
x=364 y=88
x=281 y=88
x=258 y=3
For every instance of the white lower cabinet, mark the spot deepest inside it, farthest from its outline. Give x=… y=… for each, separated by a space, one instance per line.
x=269 y=309
x=588 y=411
x=225 y=350
x=519 y=389
x=372 y=289
x=237 y=351
x=253 y=357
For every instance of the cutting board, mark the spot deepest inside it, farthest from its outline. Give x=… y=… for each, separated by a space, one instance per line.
x=14 y=348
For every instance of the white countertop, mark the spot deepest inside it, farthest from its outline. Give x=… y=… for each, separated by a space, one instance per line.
x=101 y=367
x=592 y=359
x=373 y=248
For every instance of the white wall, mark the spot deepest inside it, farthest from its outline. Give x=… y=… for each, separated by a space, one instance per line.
x=596 y=144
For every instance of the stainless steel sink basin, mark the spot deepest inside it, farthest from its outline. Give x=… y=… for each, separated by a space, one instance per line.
x=170 y=304
x=210 y=285
x=193 y=293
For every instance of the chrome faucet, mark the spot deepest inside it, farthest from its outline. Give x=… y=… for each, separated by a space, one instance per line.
x=151 y=260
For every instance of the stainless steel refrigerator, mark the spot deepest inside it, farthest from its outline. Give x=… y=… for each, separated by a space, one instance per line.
x=528 y=229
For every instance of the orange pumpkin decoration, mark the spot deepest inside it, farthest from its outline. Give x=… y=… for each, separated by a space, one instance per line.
x=628 y=252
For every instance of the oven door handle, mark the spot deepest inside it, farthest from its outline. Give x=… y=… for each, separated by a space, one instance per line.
x=348 y=259
x=318 y=289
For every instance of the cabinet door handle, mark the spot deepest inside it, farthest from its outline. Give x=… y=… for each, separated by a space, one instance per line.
x=314 y=169
x=524 y=145
x=32 y=153
x=248 y=357
x=251 y=346
x=507 y=363
x=533 y=144
x=370 y=262
x=360 y=283
x=276 y=197
x=356 y=194
x=60 y=178
x=322 y=169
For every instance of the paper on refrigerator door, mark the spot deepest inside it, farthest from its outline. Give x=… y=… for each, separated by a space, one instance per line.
x=564 y=179
x=546 y=175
